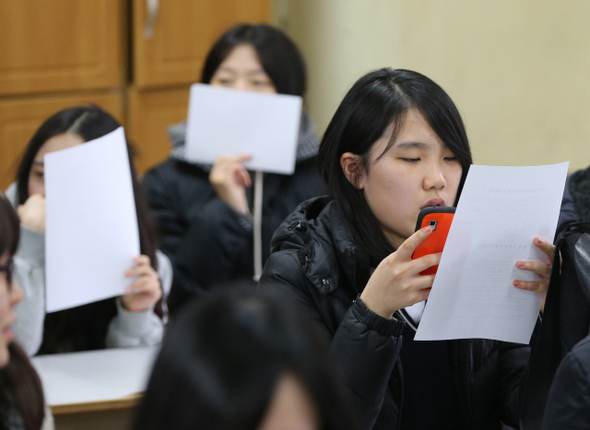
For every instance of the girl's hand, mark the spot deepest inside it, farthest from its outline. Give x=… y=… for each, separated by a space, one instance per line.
x=145 y=291
x=32 y=212
x=230 y=180
x=541 y=268
x=396 y=282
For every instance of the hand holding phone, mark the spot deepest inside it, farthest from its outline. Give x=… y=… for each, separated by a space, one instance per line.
x=440 y=219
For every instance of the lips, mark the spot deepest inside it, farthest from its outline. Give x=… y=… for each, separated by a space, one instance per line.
x=437 y=201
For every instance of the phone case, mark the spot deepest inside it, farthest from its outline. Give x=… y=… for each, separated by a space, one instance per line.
x=440 y=219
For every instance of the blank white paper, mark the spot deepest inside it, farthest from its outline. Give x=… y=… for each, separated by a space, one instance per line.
x=500 y=211
x=91 y=222
x=94 y=376
x=229 y=122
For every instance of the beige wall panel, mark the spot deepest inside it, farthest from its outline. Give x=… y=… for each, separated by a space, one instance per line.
x=20 y=118
x=150 y=114
x=183 y=32
x=60 y=45
x=340 y=40
x=519 y=71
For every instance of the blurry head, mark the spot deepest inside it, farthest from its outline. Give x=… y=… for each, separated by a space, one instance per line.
x=396 y=143
x=10 y=293
x=240 y=360
x=65 y=129
x=256 y=58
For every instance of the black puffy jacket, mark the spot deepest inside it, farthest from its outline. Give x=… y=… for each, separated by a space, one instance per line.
x=207 y=241
x=568 y=404
x=316 y=263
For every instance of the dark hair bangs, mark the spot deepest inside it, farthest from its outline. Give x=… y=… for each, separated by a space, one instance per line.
x=279 y=56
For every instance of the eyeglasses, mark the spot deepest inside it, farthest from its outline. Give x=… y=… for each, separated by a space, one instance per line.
x=9 y=269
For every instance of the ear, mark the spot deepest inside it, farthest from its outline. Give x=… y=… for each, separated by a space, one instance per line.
x=352 y=167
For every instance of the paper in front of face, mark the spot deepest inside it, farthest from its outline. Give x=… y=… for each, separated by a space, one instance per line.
x=227 y=122
x=91 y=222
x=500 y=211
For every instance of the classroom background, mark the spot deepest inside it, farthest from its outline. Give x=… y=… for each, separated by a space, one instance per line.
x=518 y=71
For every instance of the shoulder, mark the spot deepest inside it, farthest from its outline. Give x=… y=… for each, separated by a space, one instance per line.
x=11 y=194
x=174 y=178
x=304 y=246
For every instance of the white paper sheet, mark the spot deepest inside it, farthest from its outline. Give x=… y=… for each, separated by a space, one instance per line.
x=500 y=211
x=222 y=121
x=94 y=376
x=91 y=222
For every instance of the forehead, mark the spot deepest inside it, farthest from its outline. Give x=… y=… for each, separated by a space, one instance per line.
x=415 y=128
x=414 y=133
x=57 y=143
x=243 y=58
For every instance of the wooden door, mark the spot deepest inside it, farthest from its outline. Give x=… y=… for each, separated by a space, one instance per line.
x=182 y=33
x=151 y=112
x=65 y=45
x=20 y=118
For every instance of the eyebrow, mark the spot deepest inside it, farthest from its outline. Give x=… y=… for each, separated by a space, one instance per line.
x=39 y=163
x=248 y=72
x=410 y=145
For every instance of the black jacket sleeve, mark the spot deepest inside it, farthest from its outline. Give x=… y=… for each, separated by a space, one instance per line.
x=206 y=240
x=365 y=344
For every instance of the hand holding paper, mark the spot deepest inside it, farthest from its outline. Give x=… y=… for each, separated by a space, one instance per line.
x=145 y=291
x=230 y=179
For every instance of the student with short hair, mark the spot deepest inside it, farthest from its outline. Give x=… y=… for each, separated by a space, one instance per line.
x=395 y=145
x=203 y=210
x=235 y=359
x=129 y=320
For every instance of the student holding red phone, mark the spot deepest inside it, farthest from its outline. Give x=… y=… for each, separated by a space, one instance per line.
x=396 y=145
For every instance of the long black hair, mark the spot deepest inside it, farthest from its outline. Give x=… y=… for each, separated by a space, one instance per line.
x=84 y=327
x=278 y=55
x=223 y=356
x=20 y=388
x=375 y=101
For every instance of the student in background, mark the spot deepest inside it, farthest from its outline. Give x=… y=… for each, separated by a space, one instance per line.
x=395 y=145
x=241 y=360
x=204 y=211
x=21 y=395
x=129 y=320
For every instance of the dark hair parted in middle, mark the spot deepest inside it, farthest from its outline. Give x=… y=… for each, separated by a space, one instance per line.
x=222 y=359
x=280 y=58
x=377 y=100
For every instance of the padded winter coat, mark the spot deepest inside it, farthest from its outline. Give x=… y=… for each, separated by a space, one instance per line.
x=207 y=241
x=316 y=263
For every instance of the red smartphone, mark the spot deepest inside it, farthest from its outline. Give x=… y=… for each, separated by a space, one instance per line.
x=440 y=219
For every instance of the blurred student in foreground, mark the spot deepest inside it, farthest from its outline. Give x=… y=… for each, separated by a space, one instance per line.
x=241 y=360
x=21 y=395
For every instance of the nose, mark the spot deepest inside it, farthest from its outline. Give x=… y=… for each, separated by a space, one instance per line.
x=435 y=178
x=241 y=84
x=16 y=293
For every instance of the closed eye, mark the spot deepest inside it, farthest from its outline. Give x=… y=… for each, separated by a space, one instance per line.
x=453 y=158
x=410 y=160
